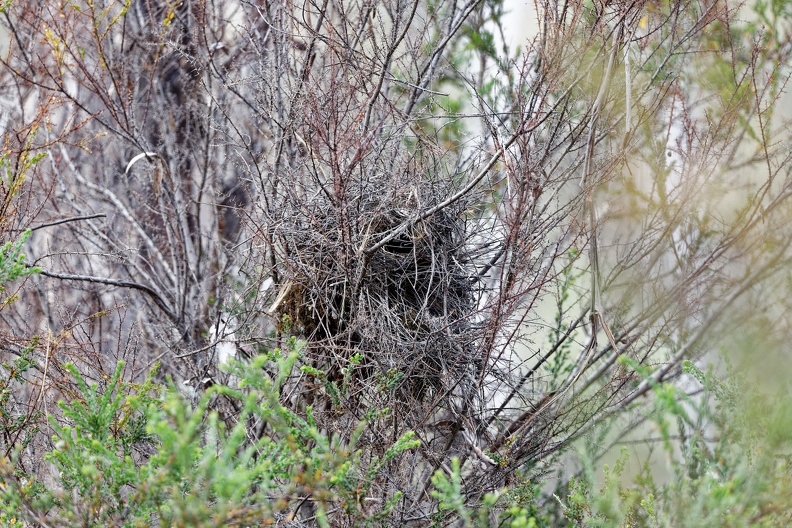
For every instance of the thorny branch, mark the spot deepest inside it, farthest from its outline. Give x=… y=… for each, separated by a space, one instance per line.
x=321 y=171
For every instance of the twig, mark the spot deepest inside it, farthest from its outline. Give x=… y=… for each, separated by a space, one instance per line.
x=156 y=297
x=70 y=219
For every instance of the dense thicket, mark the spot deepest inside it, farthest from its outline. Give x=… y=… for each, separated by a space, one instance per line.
x=491 y=251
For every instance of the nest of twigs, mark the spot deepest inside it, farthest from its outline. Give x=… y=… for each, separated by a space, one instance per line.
x=408 y=308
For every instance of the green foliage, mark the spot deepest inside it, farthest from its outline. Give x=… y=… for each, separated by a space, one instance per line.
x=334 y=389
x=94 y=453
x=728 y=460
x=137 y=455
x=12 y=261
x=449 y=491
x=732 y=467
x=514 y=509
x=12 y=176
x=559 y=365
x=18 y=425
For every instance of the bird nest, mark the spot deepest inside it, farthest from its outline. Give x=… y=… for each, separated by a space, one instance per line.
x=402 y=316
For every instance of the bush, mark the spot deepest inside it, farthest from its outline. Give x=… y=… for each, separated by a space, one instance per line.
x=141 y=455
x=503 y=253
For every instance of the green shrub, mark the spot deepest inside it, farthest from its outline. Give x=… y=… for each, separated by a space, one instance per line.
x=140 y=455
